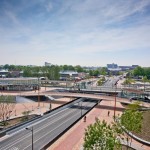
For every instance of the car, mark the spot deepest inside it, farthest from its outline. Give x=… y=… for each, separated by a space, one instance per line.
x=145 y=99
x=134 y=98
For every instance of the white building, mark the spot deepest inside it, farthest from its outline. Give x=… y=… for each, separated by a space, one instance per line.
x=68 y=75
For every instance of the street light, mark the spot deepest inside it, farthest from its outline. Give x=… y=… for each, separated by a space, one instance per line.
x=38 y=93
x=115 y=102
x=81 y=108
x=31 y=129
x=50 y=105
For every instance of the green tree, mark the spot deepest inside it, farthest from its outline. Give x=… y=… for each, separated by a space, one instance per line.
x=65 y=67
x=147 y=72
x=91 y=72
x=138 y=71
x=96 y=72
x=71 y=68
x=131 y=120
x=25 y=115
x=78 y=68
x=6 y=66
x=128 y=81
x=101 y=136
x=57 y=70
x=12 y=67
x=101 y=81
x=103 y=71
x=145 y=80
x=27 y=72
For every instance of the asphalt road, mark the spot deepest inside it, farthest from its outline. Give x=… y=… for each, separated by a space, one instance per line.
x=47 y=129
x=111 y=81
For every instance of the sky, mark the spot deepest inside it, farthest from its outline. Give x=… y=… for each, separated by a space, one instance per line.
x=75 y=32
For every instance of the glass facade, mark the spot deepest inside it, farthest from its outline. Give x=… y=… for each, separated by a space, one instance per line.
x=17 y=84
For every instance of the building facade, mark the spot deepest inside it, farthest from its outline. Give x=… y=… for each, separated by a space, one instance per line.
x=19 y=84
x=68 y=75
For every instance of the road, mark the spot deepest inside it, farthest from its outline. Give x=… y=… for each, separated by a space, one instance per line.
x=48 y=128
x=110 y=82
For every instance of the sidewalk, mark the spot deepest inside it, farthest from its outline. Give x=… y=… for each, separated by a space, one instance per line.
x=73 y=139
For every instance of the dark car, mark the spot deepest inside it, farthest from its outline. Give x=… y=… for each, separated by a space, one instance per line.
x=144 y=99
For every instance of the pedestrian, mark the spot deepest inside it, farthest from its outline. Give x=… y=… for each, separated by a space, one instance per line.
x=84 y=118
x=131 y=100
x=108 y=113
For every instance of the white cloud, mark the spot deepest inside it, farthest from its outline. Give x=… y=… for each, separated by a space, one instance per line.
x=77 y=28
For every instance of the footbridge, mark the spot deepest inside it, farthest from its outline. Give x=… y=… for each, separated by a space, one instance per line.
x=71 y=94
x=95 y=96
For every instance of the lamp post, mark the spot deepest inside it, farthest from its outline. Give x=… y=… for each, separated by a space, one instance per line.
x=45 y=82
x=38 y=93
x=80 y=104
x=115 y=102
x=31 y=129
x=81 y=108
x=50 y=105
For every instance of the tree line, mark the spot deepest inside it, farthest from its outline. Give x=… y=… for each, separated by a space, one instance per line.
x=52 y=72
x=142 y=71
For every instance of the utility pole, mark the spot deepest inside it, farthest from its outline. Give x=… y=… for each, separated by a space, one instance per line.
x=115 y=101
x=81 y=108
x=38 y=93
x=32 y=134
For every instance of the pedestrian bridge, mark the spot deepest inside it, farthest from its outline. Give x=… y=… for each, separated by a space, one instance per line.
x=94 y=96
x=71 y=94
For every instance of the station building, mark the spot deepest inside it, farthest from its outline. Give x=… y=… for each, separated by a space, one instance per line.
x=68 y=75
x=19 y=84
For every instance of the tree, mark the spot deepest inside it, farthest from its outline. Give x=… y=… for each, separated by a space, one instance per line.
x=91 y=73
x=131 y=119
x=138 y=71
x=65 y=67
x=128 y=81
x=101 y=136
x=147 y=72
x=145 y=80
x=25 y=115
x=103 y=71
x=101 y=81
x=6 y=66
x=27 y=72
x=79 y=68
x=12 y=67
x=7 y=104
x=96 y=72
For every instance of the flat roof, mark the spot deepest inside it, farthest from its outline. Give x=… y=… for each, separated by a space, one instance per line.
x=24 y=78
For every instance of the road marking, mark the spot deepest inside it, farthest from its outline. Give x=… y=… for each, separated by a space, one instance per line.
x=27 y=135
x=78 y=112
x=14 y=148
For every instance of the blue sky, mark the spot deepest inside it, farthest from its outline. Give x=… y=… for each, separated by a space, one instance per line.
x=75 y=32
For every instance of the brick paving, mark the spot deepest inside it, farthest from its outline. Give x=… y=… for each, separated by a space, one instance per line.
x=73 y=139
